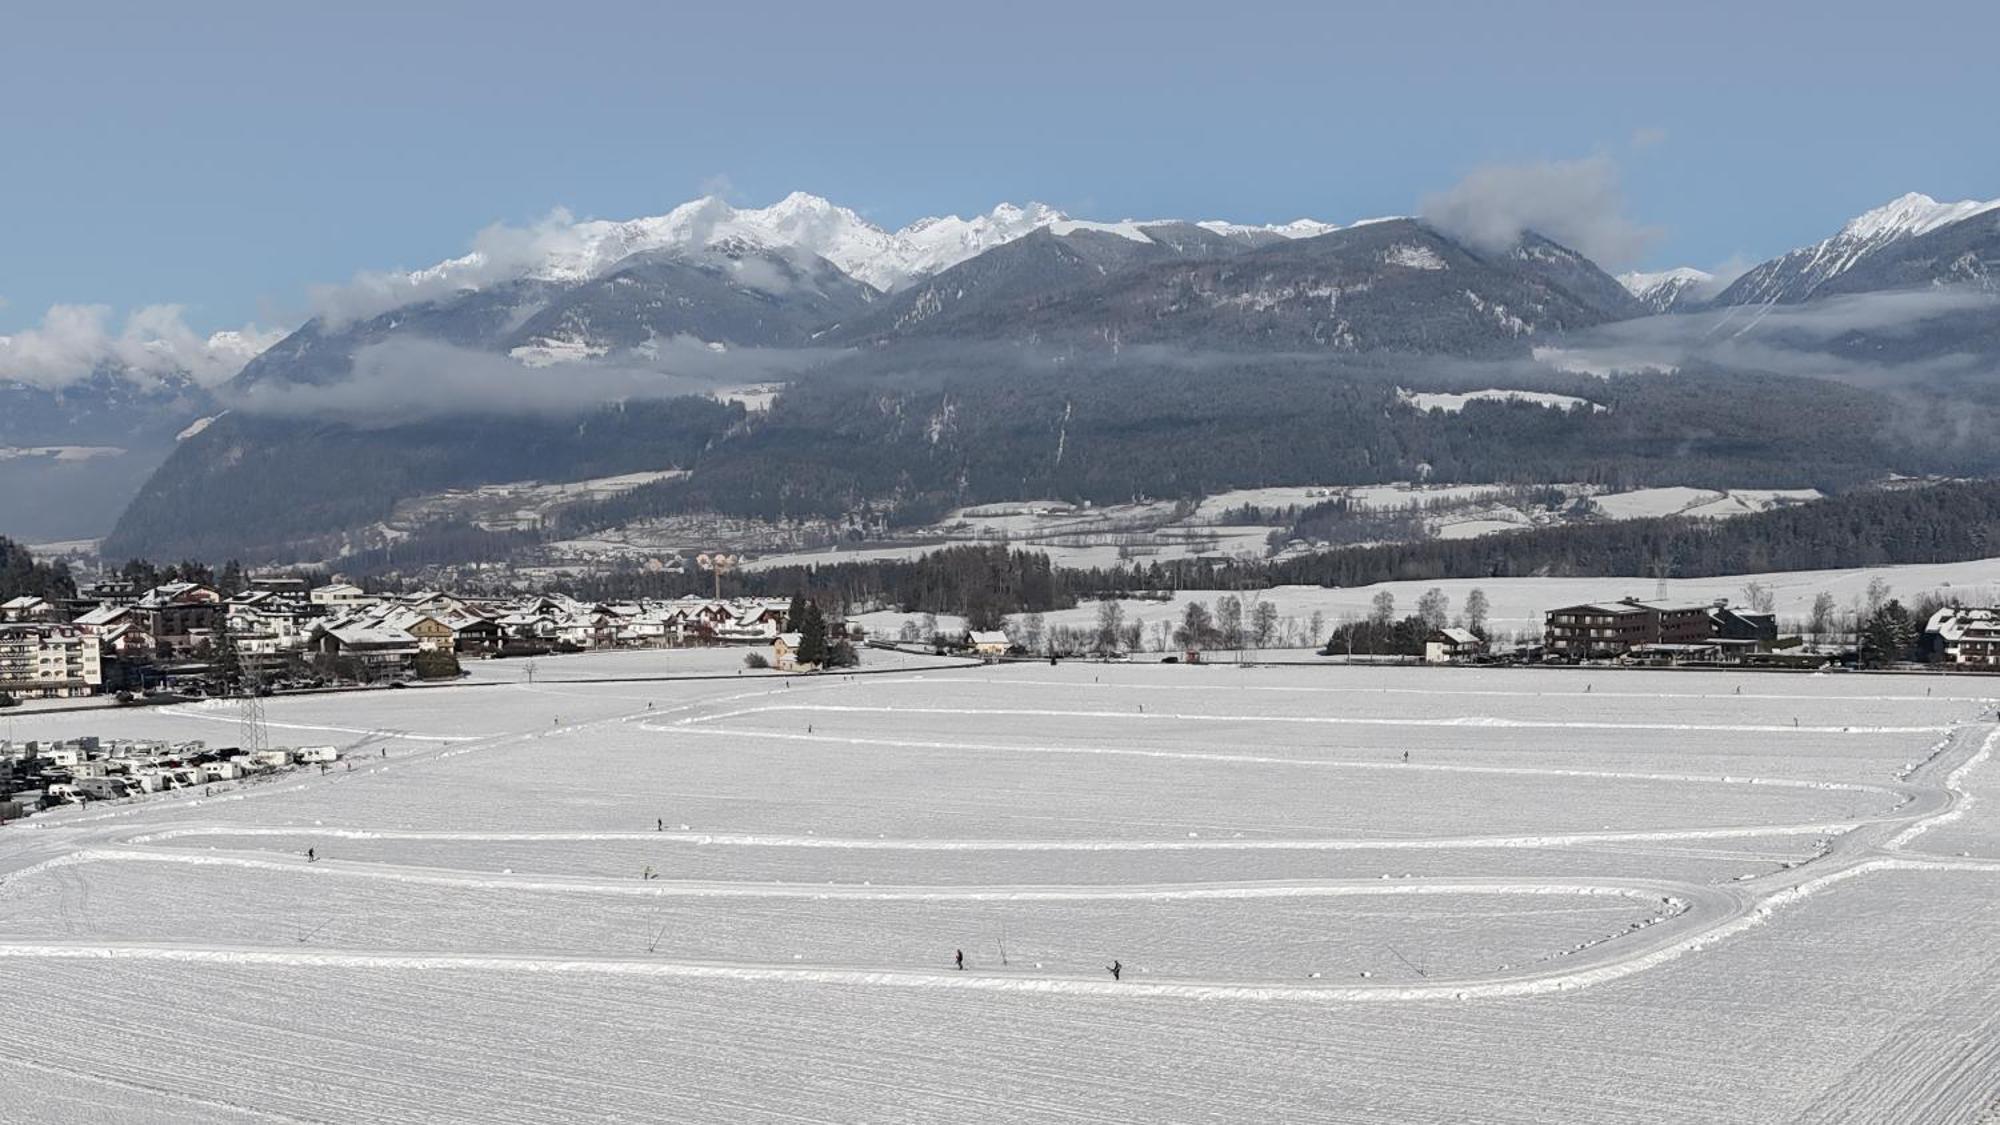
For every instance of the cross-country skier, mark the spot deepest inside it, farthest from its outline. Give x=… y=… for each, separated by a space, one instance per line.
x=1406 y=755
x=311 y=857
x=961 y=960
x=1116 y=970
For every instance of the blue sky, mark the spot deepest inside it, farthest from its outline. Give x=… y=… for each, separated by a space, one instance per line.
x=224 y=155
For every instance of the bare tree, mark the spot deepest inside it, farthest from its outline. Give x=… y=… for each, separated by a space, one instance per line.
x=1264 y=624
x=1197 y=629
x=1760 y=597
x=1822 y=615
x=1877 y=596
x=1435 y=608
x=1110 y=624
x=1318 y=628
x=1031 y=626
x=1229 y=620
x=1382 y=608
x=1476 y=610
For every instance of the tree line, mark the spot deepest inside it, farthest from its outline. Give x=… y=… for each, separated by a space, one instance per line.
x=1950 y=522
x=22 y=574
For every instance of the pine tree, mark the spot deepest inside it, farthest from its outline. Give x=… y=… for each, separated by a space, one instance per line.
x=228 y=661
x=795 y=616
x=813 y=650
x=232 y=580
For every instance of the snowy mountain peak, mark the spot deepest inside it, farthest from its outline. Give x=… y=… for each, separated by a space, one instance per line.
x=1800 y=274
x=561 y=249
x=1912 y=214
x=1663 y=290
x=1639 y=283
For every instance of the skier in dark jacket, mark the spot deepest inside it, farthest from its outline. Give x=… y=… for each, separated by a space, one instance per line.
x=1116 y=970
x=961 y=960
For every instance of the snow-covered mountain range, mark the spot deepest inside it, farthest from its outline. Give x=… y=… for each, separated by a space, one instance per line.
x=886 y=260
x=1809 y=271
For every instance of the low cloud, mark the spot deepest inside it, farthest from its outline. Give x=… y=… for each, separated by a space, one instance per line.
x=1575 y=202
x=1841 y=338
x=399 y=381
x=499 y=253
x=154 y=342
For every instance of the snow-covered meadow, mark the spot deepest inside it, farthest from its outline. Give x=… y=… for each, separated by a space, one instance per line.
x=1335 y=894
x=1516 y=605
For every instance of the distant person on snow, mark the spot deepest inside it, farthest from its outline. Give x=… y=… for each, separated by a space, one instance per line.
x=961 y=960
x=1406 y=755
x=311 y=856
x=1117 y=970
x=659 y=826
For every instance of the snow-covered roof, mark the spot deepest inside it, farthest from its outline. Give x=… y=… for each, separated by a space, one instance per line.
x=987 y=637
x=103 y=615
x=360 y=637
x=1953 y=623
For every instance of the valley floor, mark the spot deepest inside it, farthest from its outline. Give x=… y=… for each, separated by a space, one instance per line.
x=1334 y=894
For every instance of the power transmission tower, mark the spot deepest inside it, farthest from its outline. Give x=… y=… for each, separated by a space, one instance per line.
x=255 y=737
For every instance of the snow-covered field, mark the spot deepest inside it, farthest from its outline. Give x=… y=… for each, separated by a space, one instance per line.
x=1336 y=894
x=1161 y=530
x=1517 y=605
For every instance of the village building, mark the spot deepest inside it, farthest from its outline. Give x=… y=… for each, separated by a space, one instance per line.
x=473 y=634
x=27 y=607
x=431 y=634
x=46 y=661
x=1606 y=629
x=1964 y=636
x=179 y=616
x=1450 y=645
x=374 y=653
x=990 y=643
x=286 y=586
x=341 y=597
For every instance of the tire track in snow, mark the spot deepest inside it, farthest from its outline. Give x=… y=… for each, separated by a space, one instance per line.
x=1635 y=889
x=1488 y=721
x=1198 y=685
x=1624 y=961
x=700 y=727
x=1104 y=844
x=183 y=712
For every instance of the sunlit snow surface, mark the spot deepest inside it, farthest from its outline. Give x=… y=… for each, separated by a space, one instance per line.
x=1586 y=896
